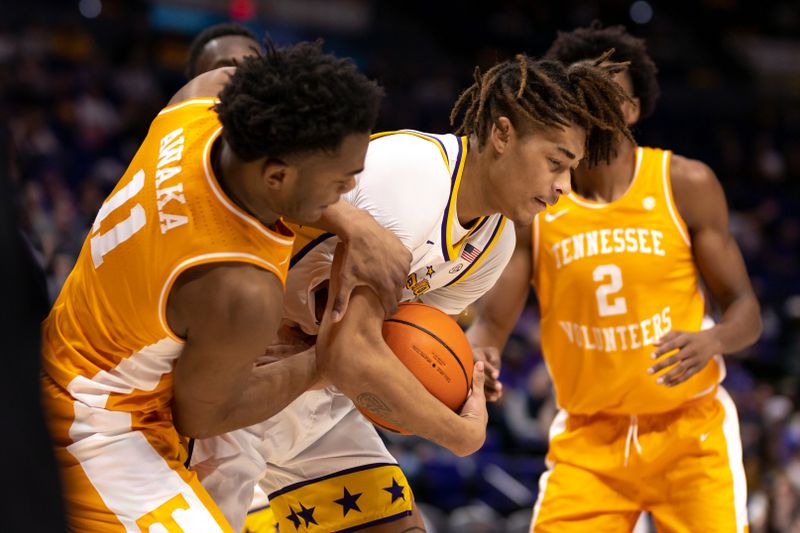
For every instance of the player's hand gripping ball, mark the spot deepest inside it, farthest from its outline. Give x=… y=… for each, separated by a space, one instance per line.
x=434 y=348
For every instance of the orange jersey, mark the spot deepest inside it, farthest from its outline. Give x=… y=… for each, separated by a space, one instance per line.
x=107 y=341
x=611 y=279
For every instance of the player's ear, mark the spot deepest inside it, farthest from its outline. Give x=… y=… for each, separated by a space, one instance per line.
x=275 y=173
x=631 y=111
x=501 y=133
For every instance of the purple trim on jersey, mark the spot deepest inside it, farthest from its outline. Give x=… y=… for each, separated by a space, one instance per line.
x=433 y=138
x=299 y=484
x=454 y=175
x=477 y=259
x=383 y=520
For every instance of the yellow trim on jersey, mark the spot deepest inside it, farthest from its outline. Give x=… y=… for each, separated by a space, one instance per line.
x=474 y=266
x=450 y=247
x=346 y=501
x=415 y=134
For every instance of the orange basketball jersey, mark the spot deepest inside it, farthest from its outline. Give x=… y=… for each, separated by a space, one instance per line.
x=611 y=279
x=107 y=341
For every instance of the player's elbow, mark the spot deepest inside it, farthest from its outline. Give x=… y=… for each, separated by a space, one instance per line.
x=756 y=323
x=197 y=424
x=757 y=327
x=338 y=358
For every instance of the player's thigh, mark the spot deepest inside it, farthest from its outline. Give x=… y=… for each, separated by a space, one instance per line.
x=706 y=487
x=124 y=480
x=572 y=499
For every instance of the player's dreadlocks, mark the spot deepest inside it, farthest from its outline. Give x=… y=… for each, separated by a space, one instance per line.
x=226 y=29
x=295 y=99
x=586 y=43
x=547 y=94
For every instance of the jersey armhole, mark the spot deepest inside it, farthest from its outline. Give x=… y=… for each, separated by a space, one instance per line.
x=204 y=260
x=210 y=101
x=675 y=215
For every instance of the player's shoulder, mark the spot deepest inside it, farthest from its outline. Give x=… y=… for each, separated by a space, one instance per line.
x=406 y=166
x=690 y=173
x=234 y=290
x=412 y=149
x=206 y=85
x=696 y=190
x=216 y=296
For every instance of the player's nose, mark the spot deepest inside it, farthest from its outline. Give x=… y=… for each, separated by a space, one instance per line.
x=562 y=185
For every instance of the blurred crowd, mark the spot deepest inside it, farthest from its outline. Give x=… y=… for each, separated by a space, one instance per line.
x=77 y=97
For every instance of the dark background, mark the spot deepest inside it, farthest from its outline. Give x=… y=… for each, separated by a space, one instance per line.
x=81 y=81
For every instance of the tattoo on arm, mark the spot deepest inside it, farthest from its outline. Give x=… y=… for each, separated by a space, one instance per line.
x=373 y=404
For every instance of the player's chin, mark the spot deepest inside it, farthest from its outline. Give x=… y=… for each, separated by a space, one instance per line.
x=525 y=214
x=308 y=216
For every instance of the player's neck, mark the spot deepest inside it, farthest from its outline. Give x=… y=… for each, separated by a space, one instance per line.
x=606 y=182
x=231 y=173
x=471 y=202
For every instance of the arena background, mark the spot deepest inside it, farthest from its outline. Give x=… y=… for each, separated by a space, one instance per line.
x=80 y=82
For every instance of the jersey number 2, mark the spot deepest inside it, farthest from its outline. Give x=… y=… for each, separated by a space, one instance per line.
x=617 y=306
x=102 y=243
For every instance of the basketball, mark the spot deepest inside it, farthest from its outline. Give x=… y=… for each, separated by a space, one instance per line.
x=434 y=348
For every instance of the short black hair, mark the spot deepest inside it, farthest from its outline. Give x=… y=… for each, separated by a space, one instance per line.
x=547 y=94
x=295 y=99
x=591 y=42
x=225 y=29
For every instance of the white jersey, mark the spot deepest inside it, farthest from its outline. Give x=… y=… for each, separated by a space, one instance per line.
x=410 y=185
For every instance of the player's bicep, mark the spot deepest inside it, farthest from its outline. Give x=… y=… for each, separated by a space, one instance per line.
x=701 y=202
x=721 y=264
x=231 y=314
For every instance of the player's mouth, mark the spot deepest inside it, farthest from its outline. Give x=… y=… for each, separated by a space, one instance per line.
x=541 y=202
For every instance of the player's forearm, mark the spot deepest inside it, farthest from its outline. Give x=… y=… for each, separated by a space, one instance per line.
x=375 y=380
x=269 y=389
x=487 y=333
x=274 y=386
x=495 y=320
x=740 y=324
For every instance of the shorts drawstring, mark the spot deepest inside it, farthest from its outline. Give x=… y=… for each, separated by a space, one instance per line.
x=633 y=436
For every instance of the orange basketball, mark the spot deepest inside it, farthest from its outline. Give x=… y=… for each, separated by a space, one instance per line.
x=434 y=348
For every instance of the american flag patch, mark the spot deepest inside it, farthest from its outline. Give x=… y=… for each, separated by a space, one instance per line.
x=470 y=253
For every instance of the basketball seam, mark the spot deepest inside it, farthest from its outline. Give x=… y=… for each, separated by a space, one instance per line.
x=440 y=341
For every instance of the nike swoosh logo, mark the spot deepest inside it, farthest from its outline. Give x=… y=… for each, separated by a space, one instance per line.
x=549 y=217
x=704 y=436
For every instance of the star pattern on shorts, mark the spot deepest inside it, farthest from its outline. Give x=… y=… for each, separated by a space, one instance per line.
x=307 y=515
x=349 y=502
x=293 y=517
x=396 y=490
